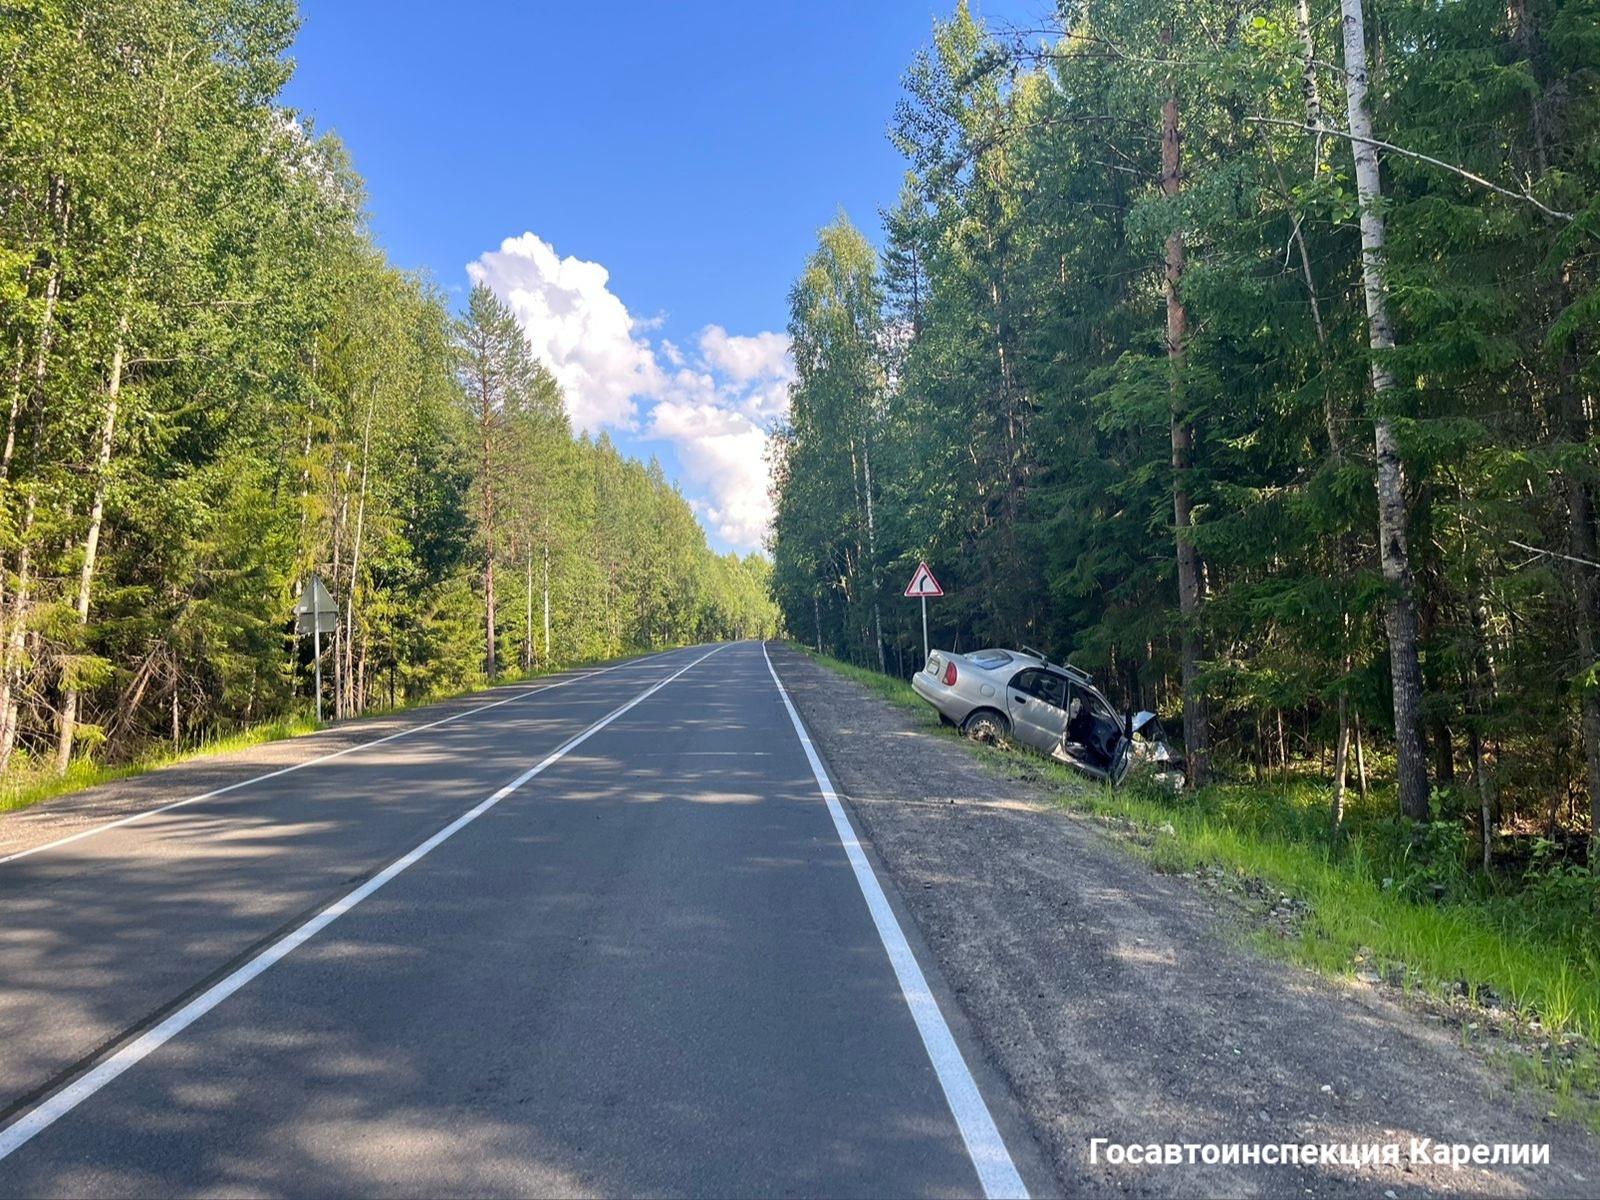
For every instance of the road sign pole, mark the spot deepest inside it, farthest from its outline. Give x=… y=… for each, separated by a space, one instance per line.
x=923 y=585
x=315 y=599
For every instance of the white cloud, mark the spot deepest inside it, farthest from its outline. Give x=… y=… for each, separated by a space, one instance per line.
x=724 y=458
x=576 y=327
x=715 y=407
x=746 y=359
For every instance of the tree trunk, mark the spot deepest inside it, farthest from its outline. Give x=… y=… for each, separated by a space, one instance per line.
x=547 y=603
x=1439 y=737
x=1586 y=600
x=14 y=626
x=872 y=551
x=1483 y=693
x=52 y=292
x=339 y=513
x=16 y=617
x=1485 y=785
x=69 y=704
x=16 y=631
x=56 y=207
x=1283 y=752
x=1195 y=722
x=1400 y=614
x=1361 y=762
x=91 y=542
x=491 y=666
x=1259 y=765
x=1582 y=537
x=1341 y=761
x=357 y=703
x=16 y=406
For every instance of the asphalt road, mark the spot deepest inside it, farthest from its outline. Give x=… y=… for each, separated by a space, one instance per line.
x=484 y=959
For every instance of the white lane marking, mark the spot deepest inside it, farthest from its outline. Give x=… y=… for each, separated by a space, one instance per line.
x=997 y=1174
x=59 y=1104
x=311 y=762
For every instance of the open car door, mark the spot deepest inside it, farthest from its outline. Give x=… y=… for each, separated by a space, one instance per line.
x=1036 y=704
x=1123 y=757
x=1096 y=741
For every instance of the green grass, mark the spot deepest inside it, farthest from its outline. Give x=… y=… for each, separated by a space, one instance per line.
x=885 y=687
x=1376 y=900
x=1434 y=944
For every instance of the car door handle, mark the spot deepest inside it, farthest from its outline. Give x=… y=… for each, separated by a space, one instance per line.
x=1019 y=699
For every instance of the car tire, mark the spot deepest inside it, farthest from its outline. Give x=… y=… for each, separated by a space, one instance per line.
x=986 y=726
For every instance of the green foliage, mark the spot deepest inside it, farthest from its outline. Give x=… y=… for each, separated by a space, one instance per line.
x=1020 y=413
x=214 y=384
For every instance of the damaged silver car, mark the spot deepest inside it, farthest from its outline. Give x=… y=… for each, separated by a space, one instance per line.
x=1018 y=695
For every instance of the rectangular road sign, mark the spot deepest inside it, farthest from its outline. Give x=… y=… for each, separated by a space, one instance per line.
x=315 y=611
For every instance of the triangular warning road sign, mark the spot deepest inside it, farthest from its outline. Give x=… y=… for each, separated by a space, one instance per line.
x=923 y=583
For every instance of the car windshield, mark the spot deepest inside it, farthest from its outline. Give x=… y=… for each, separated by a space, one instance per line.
x=989 y=660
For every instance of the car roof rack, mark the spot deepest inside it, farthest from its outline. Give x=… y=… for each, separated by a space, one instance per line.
x=1077 y=673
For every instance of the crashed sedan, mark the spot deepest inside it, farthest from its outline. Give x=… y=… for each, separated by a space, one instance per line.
x=1018 y=695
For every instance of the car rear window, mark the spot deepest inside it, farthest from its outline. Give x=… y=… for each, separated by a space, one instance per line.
x=990 y=660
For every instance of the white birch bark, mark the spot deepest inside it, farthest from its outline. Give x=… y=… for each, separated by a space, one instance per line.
x=1400 y=617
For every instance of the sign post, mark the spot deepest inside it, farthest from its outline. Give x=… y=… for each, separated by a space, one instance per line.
x=314 y=613
x=923 y=585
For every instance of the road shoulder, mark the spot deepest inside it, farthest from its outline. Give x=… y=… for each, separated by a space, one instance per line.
x=1115 y=1006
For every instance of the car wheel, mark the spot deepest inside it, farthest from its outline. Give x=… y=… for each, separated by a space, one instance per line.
x=986 y=727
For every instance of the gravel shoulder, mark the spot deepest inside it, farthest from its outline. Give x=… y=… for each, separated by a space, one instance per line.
x=1115 y=1003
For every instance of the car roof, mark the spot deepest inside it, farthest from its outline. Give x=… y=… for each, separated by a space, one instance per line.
x=994 y=658
x=1065 y=670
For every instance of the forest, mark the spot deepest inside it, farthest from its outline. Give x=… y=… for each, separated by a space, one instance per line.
x=215 y=384
x=1246 y=355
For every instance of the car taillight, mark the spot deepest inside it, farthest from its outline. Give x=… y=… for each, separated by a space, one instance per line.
x=950 y=675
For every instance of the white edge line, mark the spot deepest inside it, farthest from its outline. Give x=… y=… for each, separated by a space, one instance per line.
x=16 y=1135
x=311 y=762
x=997 y=1173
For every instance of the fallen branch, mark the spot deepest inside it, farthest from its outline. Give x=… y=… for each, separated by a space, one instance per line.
x=1390 y=148
x=1538 y=554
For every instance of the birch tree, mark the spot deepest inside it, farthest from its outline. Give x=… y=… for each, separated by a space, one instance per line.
x=1400 y=615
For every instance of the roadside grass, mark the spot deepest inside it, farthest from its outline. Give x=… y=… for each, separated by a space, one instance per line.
x=885 y=687
x=27 y=784
x=1517 y=976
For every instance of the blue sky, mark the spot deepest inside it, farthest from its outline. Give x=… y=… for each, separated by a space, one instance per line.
x=663 y=170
